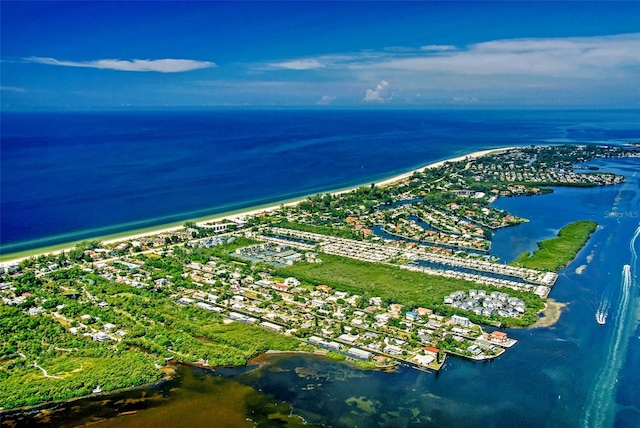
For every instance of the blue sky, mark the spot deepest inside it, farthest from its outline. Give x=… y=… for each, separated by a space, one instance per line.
x=97 y=55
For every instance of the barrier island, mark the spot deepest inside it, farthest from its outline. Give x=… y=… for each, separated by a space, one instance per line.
x=396 y=272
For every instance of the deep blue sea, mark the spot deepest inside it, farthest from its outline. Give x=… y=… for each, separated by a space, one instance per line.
x=79 y=175
x=72 y=176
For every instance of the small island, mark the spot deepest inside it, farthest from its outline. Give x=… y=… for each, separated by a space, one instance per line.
x=389 y=273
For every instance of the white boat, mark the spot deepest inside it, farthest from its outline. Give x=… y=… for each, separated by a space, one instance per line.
x=601 y=318
x=96 y=390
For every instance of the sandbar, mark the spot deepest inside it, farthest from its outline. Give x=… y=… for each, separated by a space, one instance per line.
x=550 y=314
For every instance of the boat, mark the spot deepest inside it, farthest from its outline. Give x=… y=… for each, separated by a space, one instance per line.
x=96 y=390
x=601 y=318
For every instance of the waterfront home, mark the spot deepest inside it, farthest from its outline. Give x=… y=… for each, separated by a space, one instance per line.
x=392 y=350
x=499 y=336
x=317 y=341
x=431 y=350
x=424 y=360
x=463 y=321
x=359 y=353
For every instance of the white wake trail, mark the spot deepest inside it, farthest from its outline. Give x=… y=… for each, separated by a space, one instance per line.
x=600 y=406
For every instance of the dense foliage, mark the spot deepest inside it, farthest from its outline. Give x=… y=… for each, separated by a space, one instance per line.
x=554 y=254
x=156 y=329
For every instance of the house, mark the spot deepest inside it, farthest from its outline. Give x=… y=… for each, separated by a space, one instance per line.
x=499 y=336
x=431 y=350
x=108 y=327
x=475 y=350
x=160 y=282
x=359 y=353
x=424 y=311
x=205 y=306
x=349 y=338
x=100 y=336
x=392 y=350
x=324 y=288
x=357 y=322
x=382 y=318
x=271 y=326
x=318 y=303
x=424 y=360
x=375 y=301
x=280 y=287
x=185 y=301
x=291 y=282
x=334 y=346
x=411 y=316
x=463 y=321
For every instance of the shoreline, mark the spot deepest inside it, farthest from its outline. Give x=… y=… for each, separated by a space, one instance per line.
x=168 y=374
x=19 y=256
x=550 y=314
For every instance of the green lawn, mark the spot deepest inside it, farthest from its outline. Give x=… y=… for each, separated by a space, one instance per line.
x=412 y=289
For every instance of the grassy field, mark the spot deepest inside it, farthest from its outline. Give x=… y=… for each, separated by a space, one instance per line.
x=412 y=289
x=556 y=253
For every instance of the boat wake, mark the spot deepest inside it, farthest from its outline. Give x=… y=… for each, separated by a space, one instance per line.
x=602 y=311
x=600 y=405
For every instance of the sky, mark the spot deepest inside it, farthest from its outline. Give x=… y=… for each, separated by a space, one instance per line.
x=83 y=55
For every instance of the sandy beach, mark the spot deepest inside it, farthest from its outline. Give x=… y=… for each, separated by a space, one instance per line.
x=550 y=314
x=236 y=214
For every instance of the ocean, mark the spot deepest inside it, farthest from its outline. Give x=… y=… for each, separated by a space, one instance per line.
x=73 y=176
x=576 y=373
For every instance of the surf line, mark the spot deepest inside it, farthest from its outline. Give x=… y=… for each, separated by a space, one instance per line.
x=600 y=406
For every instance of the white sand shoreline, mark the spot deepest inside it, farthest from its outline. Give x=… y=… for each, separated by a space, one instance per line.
x=250 y=211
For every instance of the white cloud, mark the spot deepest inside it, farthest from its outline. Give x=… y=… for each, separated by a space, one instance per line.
x=438 y=48
x=378 y=95
x=586 y=56
x=302 y=64
x=167 y=65
x=464 y=100
x=11 y=89
x=325 y=100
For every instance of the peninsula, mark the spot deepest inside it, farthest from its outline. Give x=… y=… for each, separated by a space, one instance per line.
x=397 y=272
